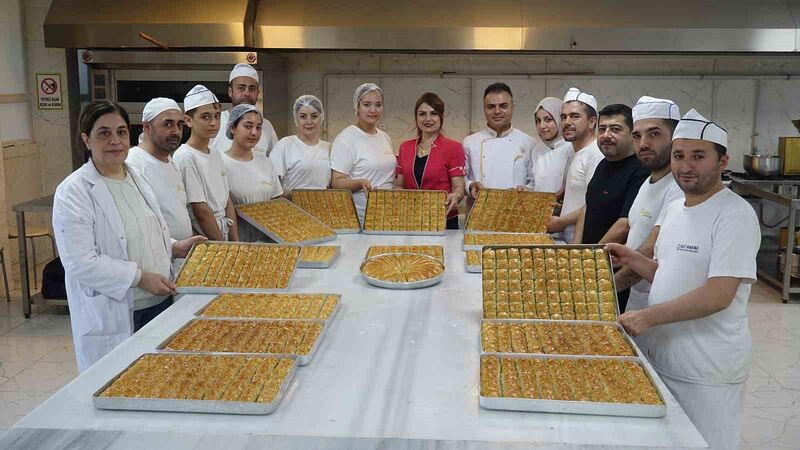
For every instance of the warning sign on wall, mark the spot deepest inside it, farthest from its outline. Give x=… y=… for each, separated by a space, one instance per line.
x=49 y=91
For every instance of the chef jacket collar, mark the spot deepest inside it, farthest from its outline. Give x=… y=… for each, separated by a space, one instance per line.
x=493 y=133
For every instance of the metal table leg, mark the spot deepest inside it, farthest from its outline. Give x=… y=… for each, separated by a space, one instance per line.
x=788 y=254
x=23 y=264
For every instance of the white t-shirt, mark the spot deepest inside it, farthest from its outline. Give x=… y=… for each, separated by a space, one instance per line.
x=301 y=166
x=717 y=238
x=364 y=156
x=549 y=166
x=252 y=181
x=501 y=162
x=205 y=181
x=167 y=183
x=579 y=174
x=649 y=202
x=222 y=144
x=143 y=236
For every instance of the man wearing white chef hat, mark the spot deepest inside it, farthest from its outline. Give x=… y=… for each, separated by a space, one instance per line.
x=498 y=156
x=243 y=87
x=654 y=122
x=162 y=129
x=578 y=121
x=207 y=189
x=705 y=263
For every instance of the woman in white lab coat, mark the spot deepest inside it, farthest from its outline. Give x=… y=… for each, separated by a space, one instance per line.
x=112 y=239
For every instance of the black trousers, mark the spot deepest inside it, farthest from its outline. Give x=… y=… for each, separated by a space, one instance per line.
x=452 y=223
x=143 y=316
x=622 y=296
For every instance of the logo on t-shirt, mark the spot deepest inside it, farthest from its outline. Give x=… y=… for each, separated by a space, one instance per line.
x=645 y=213
x=688 y=248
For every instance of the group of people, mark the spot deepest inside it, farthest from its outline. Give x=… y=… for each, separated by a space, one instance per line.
x=642 y=180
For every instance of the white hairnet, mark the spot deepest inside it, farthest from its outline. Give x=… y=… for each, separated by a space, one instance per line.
x=308 y=101
x=236 y=113
x=363 y=90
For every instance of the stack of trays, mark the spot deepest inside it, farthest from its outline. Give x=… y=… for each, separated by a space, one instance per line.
x=213 y=267
x=536 y=357
x=474 y=243
x=412 y=212
x=334 y=207
x=239 y=357
x=318 y=257
x=285 y=223
x=510 y=211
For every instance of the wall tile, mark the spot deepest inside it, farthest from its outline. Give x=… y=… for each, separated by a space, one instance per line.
x=734 y=107
x=527 y=94
x=778 y=106
x=639 y=65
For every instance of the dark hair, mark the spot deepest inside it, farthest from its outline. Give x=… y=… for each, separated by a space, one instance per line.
x=721 y=150
x=671 y=124
x=435 y=102
x=91 y=113
x=590 y=112
x=618 y=109
x=497 y=87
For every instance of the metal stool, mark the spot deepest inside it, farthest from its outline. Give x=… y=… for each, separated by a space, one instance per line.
x=5 y=274
x=30 y=234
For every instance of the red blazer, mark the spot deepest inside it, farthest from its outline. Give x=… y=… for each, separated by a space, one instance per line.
x=445 y=160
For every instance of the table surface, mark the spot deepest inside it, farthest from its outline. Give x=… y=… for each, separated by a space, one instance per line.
x=40 y=204
x=398 y=369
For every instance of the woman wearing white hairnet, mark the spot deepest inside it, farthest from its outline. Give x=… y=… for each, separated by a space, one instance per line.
x=250 y=174
x=303 y=161
x=362 y=158
x=551 y=153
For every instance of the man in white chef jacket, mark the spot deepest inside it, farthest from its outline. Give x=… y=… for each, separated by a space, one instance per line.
x=654 y=122
x=705 y=263
x=498 y=156
x=162 y=125
x=243 y=87
x=578 y=123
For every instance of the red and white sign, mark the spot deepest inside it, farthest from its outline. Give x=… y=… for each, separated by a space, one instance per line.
x=48 y=89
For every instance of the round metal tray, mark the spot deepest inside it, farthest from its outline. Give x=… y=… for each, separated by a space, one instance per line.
x=402 y=285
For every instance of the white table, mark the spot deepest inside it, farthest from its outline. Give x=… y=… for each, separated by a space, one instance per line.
x=398 y=369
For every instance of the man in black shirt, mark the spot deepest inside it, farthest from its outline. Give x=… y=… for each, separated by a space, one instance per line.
x=615 y=183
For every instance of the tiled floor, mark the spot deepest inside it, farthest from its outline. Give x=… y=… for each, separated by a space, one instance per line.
x=36 y=359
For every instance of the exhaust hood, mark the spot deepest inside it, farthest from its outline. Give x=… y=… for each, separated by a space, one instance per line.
x=195 y=24
x=607 y=26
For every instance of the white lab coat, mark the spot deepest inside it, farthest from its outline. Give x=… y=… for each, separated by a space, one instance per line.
x=93 y=249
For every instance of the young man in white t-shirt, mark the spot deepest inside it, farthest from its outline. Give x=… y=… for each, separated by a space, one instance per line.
x=578 y=122
x=207 y=188
x=654 y=122
x=705 y=263
x=162 y=121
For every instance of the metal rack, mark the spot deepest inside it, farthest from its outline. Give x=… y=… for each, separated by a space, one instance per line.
x=785 y=193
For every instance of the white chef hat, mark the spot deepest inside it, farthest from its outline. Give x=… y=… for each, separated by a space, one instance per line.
x=309 y=101
x=236 y=113
x=655 y=108
x=695 y=126
x=243 y=70
x=156 y=106
x=574 y=94
x=363 y=90
x=199 y=96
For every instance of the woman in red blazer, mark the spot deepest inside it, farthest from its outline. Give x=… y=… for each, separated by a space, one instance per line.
x=432 y=161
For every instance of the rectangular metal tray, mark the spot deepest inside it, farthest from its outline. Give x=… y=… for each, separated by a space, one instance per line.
x=578 y=407
x=199 y=312
x=222 y=289
x=408 y=233
x=337 y=230
x=616 y=325
x=275 y=237
x=469 y=214
x=302 y=360
x=193 y=406
x=570 y=247
x=319 y=265
x=466 y=247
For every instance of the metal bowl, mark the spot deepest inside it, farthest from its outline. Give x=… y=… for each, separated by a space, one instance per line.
x=762 y=165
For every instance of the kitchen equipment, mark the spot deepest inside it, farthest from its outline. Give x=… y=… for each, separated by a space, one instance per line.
x=783 y=236
x=763 y=165
x=795 y=263
x=789 y=151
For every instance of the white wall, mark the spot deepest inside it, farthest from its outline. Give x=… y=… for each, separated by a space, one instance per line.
x=743 y=94
x=14 y=117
